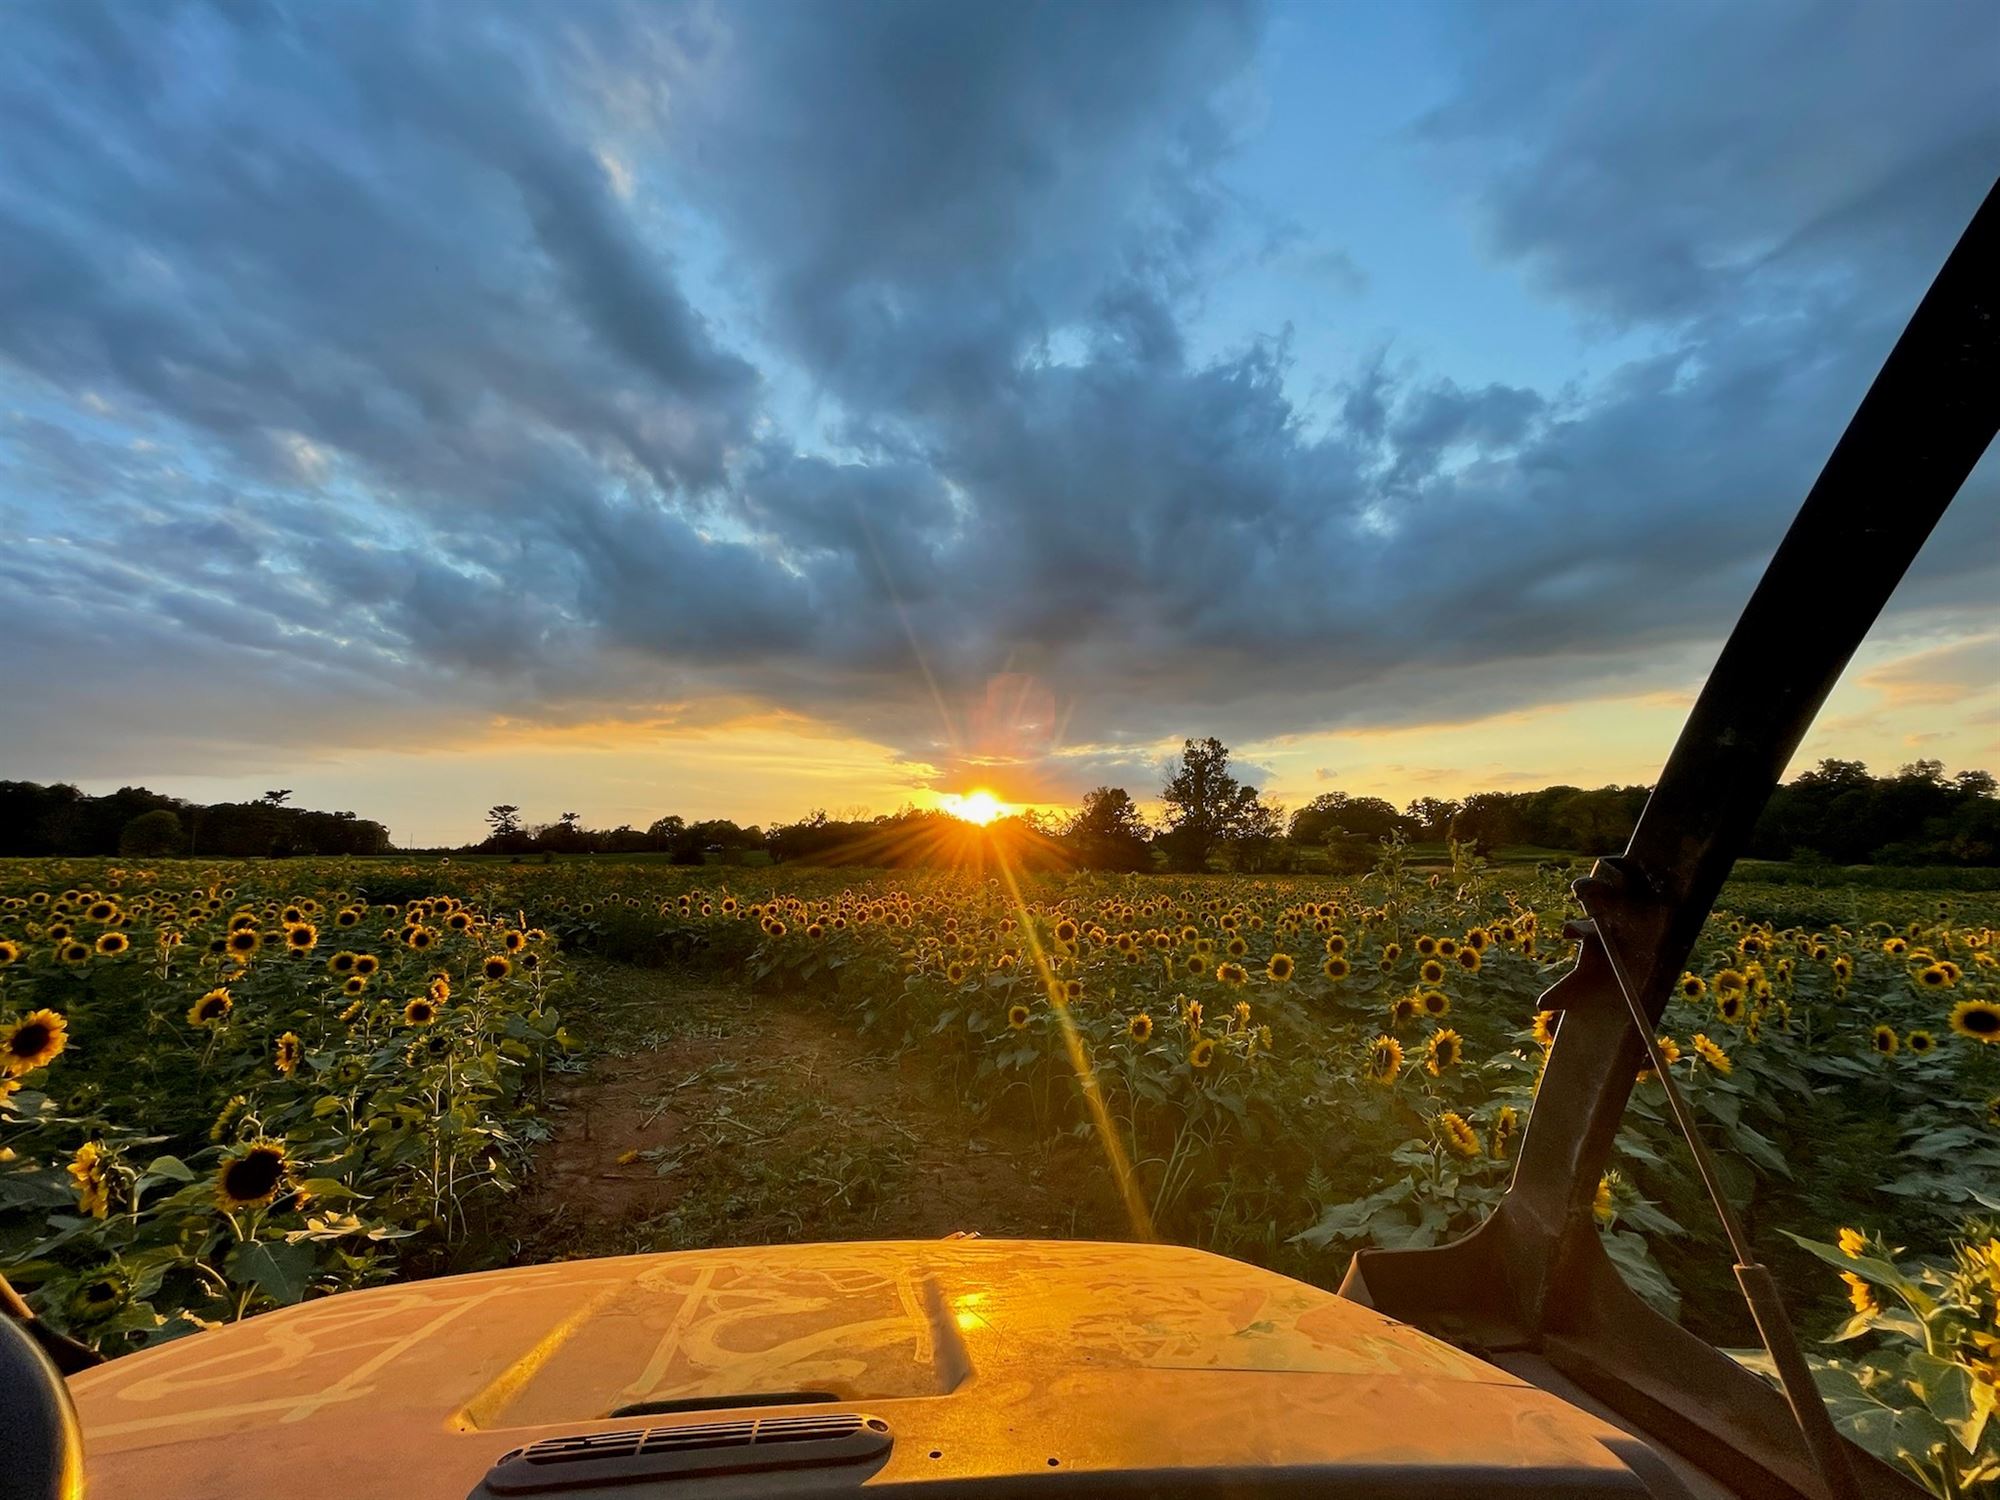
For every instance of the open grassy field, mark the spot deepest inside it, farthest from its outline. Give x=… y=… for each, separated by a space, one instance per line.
x=231 y=1087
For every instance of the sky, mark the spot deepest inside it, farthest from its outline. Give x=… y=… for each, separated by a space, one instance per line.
x=735 y=410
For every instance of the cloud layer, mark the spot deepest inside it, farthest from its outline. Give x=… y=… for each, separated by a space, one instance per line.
x=367 y=372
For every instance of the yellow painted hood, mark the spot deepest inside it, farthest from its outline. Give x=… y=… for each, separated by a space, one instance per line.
x=984 y=1356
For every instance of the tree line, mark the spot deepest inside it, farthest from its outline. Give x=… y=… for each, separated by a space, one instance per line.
x=142 y=824
x=1838 y=812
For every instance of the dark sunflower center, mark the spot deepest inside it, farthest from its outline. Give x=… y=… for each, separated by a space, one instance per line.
x=1982 y=1022
x=255 y=1176
x=29 y=1039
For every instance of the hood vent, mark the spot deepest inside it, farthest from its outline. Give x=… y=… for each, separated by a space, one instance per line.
x=686 y=1451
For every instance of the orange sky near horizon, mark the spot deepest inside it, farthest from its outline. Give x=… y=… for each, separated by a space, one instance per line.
x=1919 y=696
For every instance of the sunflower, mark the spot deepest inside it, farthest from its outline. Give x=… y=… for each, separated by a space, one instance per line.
x=112 y=943
x=253 y=1176
x=1385 y=1060
x=1445 y=1049
x=1693 y=986
x=353 y=984
x=366 y=964
x=290 y=1049
x=1505 y=1123
x=419 y=938
x=1431 y=972
x=1140 y=1028
x=1403 y=1008
x=1017 y=1016
x=1895 y=947
x=497 y=966
x=74 y=952
x=1602 y=1208
x=1477 y=939
x=211 y=1009
x=1884 y=1040
x=347 y=916
x=1435 y=1003
x=1390 y=953
x=1729 y=1005
x=98 y=1297
x=459 y=921
x=1426 y=945
x=1852 y=1242
x=1711 y=1054
x=1458 y=1134
x=1920 y=1042
x=1843 y=968
x=1280 y=967
x=9 y=952
x=1544 y=1027
x=34 y=1041
x=1731 y=981
x=100 y=911
x=1202 y=1053
x=244 y=941
x=88 y=1171
x=1860 y=1295
x=1978 y=1019
x=300 y=937
x=419 y=1012
x=1336 y=944
x=513 y=941
x=1469 y=960
x=1232 y=973
x=1335 y=968
x=1238 y=947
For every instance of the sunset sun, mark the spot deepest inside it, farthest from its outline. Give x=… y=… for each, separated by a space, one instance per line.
x=980 y=807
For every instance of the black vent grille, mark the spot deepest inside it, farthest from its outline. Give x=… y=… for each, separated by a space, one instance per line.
x=689 y=1449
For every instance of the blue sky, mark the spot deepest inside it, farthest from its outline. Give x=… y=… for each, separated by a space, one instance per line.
x=737 y=409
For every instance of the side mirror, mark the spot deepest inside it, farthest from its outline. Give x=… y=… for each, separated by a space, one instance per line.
x=44 y=1440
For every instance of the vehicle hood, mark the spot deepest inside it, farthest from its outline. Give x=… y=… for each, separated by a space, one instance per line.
x=984 y=1356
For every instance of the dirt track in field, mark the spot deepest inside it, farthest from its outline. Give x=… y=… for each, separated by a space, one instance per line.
x=710 y=1117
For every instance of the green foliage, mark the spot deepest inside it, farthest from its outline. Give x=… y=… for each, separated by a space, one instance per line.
x=220 y=1132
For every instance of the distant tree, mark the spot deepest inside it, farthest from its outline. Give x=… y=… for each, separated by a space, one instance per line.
x=1335 y=814
x=504 y=819
x=1108 y=832
x=1976 y=783
x=1205 y=804
x=153 y=835
x=1432 y=816
x=1256 y=841
x=279 y=797
x=1835 y=773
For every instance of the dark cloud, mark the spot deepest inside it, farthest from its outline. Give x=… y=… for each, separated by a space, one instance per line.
x=379 y=365
x=1703 y=159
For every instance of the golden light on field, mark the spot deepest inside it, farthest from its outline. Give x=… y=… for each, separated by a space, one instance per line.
x=979 y=806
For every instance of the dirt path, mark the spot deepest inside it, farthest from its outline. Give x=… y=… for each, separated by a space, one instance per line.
x=711 y=1117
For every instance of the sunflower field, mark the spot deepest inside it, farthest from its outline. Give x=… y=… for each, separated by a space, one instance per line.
x=229 y=1087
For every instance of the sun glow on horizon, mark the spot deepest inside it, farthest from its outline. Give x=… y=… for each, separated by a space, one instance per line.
x=978 y=806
